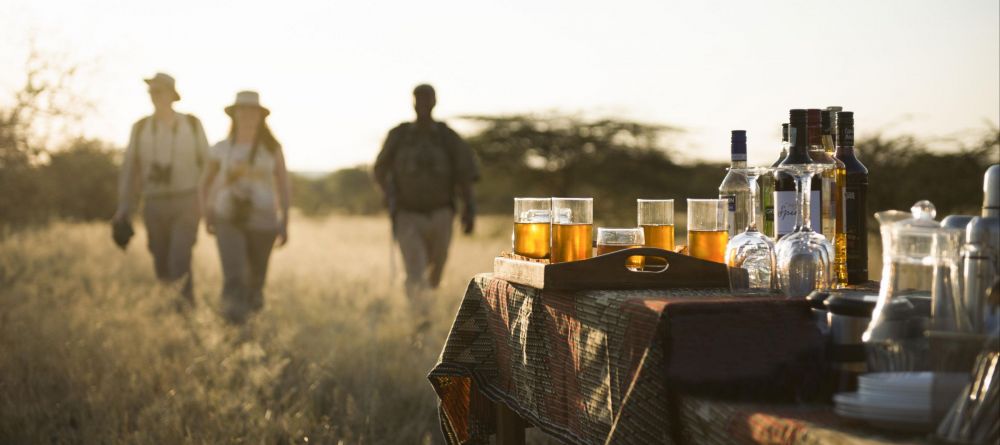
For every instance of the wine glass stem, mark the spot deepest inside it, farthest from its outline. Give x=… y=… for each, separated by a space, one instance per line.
x=802 y=186
x=752 y=224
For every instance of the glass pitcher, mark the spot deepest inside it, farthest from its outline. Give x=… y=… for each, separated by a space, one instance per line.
x=919 y=268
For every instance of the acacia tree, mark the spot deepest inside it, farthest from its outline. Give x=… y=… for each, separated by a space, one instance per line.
x=44 y=102
x=613 y=160
x=36 y=115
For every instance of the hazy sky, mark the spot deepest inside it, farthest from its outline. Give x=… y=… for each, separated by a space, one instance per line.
x=337 y=75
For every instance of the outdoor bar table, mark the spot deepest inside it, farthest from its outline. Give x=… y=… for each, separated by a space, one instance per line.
x=635 y=367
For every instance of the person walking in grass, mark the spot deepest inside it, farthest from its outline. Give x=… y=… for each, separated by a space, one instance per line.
x=245 y=198
x=423 y=169
x=163 y=163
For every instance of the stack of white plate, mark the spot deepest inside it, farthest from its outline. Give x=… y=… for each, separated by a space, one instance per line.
x=898 y=400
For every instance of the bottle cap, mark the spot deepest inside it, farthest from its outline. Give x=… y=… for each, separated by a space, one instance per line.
x=796 y=116
x=814 y=126
x=738 y=144
x=827 y=121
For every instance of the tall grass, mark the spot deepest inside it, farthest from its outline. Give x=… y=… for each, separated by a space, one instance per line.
x=91 y=350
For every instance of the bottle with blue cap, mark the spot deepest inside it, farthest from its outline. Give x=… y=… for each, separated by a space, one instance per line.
x=735 y=187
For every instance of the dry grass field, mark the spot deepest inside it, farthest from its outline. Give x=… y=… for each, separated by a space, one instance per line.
x=92 y=352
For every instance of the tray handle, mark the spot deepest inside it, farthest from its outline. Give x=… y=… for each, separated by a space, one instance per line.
x=681 y=270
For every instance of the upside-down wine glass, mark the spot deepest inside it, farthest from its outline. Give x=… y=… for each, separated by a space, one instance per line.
x=750 y=255
x=804 y=257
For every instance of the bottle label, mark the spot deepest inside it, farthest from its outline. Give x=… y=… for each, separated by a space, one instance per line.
x=786 y=210
x=829 y=207
x=731 y=223
x=856 y=226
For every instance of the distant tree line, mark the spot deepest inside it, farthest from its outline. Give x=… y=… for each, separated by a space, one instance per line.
x=615 y=161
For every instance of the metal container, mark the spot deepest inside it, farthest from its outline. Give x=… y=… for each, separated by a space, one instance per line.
x=980 y=267
x=819 y=312
x=849 y=314
x=981 y=255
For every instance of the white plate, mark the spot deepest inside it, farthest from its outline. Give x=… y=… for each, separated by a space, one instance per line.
x=896 y=381
x=854 y=403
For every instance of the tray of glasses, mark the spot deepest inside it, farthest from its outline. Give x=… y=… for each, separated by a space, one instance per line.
x=611 y=271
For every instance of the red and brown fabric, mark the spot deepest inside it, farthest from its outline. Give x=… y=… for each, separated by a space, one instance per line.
x=599 y=367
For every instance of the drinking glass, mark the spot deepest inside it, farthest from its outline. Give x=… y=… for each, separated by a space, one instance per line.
x=750 y=255
x=804 y=257
x=532 y=224
x=614 y=239
x=572 y=229
x=656 y=218
x=707 y=232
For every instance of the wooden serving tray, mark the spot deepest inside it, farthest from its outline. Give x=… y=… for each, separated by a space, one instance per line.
x=608 y=272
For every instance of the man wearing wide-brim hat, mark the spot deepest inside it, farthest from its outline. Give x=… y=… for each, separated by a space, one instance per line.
x=162 y=166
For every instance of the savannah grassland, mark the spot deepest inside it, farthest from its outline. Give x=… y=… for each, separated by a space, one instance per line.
x=92 y=352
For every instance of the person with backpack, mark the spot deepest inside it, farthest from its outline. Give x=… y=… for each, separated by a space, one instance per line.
x=245 y=198
x=163 y=164
x=423 y=169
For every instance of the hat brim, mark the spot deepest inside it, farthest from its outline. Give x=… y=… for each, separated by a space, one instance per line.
x=150 y=82
x=232 y=108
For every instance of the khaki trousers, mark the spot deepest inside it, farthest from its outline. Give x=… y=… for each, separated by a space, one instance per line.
x=423 y=240
x=171 y=231
x=245 y=253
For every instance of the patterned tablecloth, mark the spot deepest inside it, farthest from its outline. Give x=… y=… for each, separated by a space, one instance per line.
x=653 y=366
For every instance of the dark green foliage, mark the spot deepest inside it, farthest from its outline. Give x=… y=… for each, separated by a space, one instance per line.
x=82 y=182
x=349 y=190
x=613 y=161
x=77 y=183
x=904 y=170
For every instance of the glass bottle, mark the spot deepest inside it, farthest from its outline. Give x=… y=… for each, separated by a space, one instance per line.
x=835 y=205
x=828 y=219
x=785 y=207
x=767 y=188
x=855 y=201
x=734 y=187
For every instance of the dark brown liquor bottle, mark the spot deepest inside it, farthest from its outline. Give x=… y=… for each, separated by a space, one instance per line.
x=786 y=207
x=855 y=200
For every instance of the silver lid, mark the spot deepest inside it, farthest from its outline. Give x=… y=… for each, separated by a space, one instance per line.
x=991 y=191
x=982 y=230
x=957 y=222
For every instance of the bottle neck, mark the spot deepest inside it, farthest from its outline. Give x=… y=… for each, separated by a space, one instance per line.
x=798 y=150
x=845 y=141
x=845 y=151
x=828 y=144
x=735 y=163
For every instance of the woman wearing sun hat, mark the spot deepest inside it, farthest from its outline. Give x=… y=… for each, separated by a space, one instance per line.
x=245 y=197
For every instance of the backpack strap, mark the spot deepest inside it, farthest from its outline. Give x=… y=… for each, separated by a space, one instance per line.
x=391 y=149
x=193 y=121
x=136 y=132
x=443 y=133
